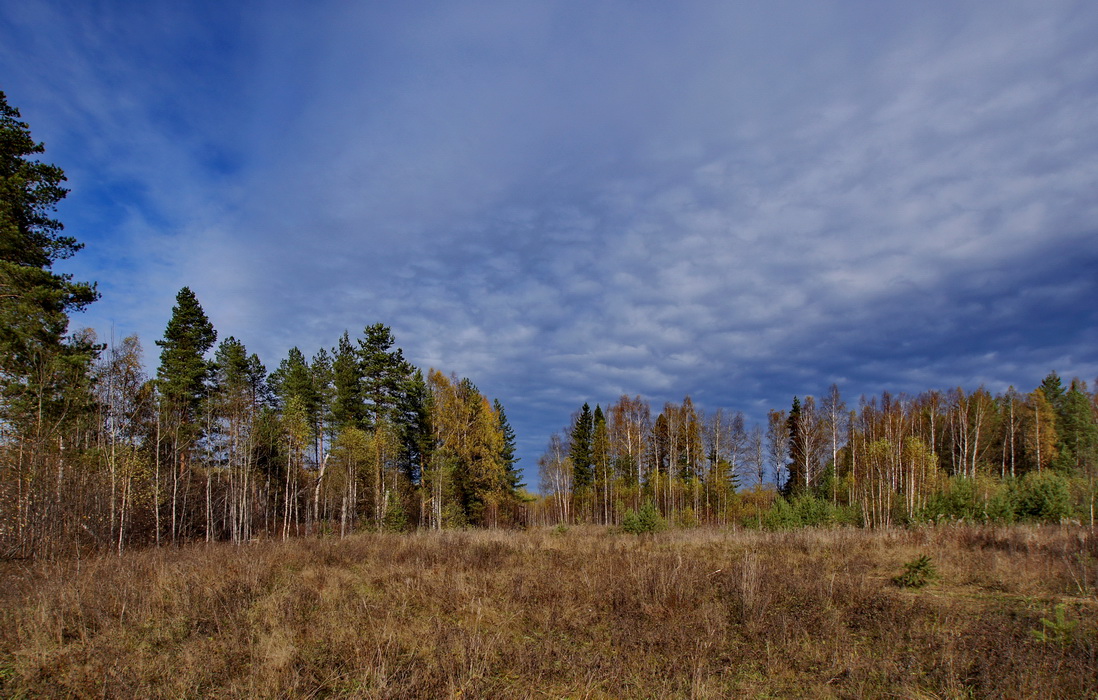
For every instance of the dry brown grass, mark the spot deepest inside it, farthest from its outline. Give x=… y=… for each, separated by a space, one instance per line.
x=585 y=613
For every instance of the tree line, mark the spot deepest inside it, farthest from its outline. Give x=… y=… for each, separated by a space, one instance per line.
x=893 y=459
x=215 y=448
x=95 y=454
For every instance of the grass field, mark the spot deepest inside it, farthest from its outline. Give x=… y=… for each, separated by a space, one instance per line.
x=582 y=613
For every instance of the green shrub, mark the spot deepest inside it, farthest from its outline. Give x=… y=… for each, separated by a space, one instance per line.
x=1059 y=630
x=974 y=500
x=647 y=520
x=1044 y=496
x=1002 y=507
x=395 y=519
x=917 y=573
x=782 y=516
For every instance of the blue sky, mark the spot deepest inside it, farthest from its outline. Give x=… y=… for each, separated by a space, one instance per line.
x=567 y=201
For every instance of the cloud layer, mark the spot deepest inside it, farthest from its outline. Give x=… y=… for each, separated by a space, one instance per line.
x=565 y=202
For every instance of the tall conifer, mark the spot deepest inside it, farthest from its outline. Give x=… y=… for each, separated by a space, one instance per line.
x=580 y=449
x=184 y=368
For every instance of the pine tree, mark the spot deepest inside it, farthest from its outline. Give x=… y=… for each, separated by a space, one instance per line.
x=348 y=408
x=294 y=378
x=384 y=373
x=184 y=368
x=415 y=414
x=40 y=368
x=181 y=381
x=44 y=372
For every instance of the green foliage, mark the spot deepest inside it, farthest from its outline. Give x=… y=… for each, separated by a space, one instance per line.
x=782 y=516
x=688 y=518
x=184 y=370
x=972 y=500
x=583 y=432
x=1002 y=506
x=40 y=368
x=513 y=475
x=348 y=409
x=646 y=520
x=1078 y=431
x=794 y=483
x=1053 y=389
x=293 y=378
x=814 y=512
x=1044 y=496
x=384 y=374
x=1059 y=630
x=826 y=483
x=917 y=573
x=395 y=519
x=808 y=511
x=454 y=516
x=957 y=501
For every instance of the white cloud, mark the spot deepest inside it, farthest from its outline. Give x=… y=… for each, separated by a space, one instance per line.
x=567 y=203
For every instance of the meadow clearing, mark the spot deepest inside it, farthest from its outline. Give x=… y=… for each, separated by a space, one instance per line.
x=582 y=612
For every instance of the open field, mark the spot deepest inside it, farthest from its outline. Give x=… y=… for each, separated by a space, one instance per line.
x=576 y=613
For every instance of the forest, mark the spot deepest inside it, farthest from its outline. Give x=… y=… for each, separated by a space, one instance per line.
x=891 y=460
x=99 y=455
x=96 y=455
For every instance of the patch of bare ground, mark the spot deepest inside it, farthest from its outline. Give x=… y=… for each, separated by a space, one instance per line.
x=583 y=613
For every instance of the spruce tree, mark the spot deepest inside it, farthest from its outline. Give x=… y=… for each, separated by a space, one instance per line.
x=1054 y=391
x=797 y=459
x=1078 y=431
x=580 y=449
x=512 y=475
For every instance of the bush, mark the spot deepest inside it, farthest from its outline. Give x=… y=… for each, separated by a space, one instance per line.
x=917 y=573
x=1044 y=496
x=1059 y=630
x=975 y=500
x=782 y=516
x=808 y=511
x=1002 y=507
x=395 y=519
x=647 y=520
